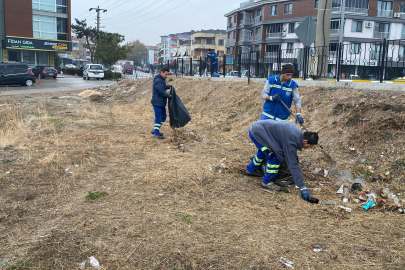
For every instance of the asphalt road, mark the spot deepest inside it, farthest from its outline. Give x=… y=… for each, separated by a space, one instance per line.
x=50 y=85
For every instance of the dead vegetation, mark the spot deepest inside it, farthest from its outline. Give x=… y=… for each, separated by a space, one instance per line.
x=184 y=203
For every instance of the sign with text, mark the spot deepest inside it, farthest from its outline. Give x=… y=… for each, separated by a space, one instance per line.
x=37 y=44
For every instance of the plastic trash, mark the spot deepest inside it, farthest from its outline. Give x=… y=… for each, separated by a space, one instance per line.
x=314 y=200
x=347 y=209
x=340 y=190
x=401 y=211
x=94 y=263
x=368 y=205
x=357 y=186
x=286 y=262
x=329 y=202
x=316 y=248
x=345 y=198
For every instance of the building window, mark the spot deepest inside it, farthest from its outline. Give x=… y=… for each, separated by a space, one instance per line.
x=403 y=32
x=233 y=50
x=234 y=35
x=402 y=8
x=384 y=9
x=288 y=8
x=228 y=51
x=44 y=27
x=290 y=47
x=62 y=28
x=229 y=21
x=29 y=57
x=273 y=10
x=382 y=27
x=273 y=48
x=258 y=15
x=208 y=41
x=257 y=33
x=335 y=27
x=291 y=27
x=14 y=55
x=316 y=4
x=48 y=5
x=220 y=42
x=234 y=19
x=354 y=48
x=357 y=26
x=42 y=58
x=229 y=37
x=61 y=6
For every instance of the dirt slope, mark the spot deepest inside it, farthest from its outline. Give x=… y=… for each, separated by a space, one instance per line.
x=183 y=202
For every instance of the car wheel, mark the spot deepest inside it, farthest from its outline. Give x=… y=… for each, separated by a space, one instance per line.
x=29 y=82
x=88 y=78
x=42 y=77
x=98 y=79
x=102 y=79
x=54 y=77
x=84 y=77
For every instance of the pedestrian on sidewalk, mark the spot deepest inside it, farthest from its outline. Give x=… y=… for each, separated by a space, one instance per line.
x=281 y=88
x=279 y=142
x=159 y=101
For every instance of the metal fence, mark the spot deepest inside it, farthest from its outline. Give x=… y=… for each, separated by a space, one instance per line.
x=380 y=60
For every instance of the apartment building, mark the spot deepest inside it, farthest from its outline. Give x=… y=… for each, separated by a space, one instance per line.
x=32 y=31
x=268 y=27
x=201 y=42
x=169 y=44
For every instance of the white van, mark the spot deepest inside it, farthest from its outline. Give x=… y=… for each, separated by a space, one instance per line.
x=93 y=71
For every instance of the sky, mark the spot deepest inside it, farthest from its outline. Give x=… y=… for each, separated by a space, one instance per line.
x=147 y=20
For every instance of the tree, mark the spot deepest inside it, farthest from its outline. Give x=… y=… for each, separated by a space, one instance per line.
x=90 y=34
x=109 y=50
x=138 y=53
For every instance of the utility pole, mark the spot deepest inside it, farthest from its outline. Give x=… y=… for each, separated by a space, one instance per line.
x=98 y=9
x=322 y=37
x=340 y=46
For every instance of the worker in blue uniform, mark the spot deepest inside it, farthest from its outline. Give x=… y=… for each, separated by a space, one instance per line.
x=212 y=59
x=281 y=88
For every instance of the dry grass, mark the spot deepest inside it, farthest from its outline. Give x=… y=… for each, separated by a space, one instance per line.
x=190 y=207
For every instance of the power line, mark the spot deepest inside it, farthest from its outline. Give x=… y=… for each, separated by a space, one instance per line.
x=155 y=17
x=89 y=11
x=139 y=11
x=128 y=15
x=92 y=15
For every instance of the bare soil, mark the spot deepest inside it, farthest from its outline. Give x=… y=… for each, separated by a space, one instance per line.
x=184 y=202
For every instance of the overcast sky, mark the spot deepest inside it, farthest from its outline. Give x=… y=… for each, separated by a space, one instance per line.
x=147 y=20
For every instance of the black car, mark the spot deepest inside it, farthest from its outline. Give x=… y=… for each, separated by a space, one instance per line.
x=45 y=71
x=11 y=65
x=17 y=76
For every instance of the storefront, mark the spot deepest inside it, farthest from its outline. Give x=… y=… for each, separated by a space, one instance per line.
x=33 y=51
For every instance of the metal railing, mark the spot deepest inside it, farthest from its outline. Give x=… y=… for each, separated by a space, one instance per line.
x=274 y=35
x=384 y=13
x=381 y=35
x=334 y=32
x=380 y=60
x=363 y=11
x=258 y=19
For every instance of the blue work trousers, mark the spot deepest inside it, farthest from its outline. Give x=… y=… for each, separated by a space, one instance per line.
x=273 y=163
x=160 y=117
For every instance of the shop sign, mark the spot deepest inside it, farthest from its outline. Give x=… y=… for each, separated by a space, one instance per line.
x=37 y=44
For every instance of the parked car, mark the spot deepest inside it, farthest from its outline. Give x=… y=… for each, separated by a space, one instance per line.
x=232 y=74
x=93 y=71
x=128 y=69
x=45 y=71
x=10 y=65
x=70 y=66
x=21 y=76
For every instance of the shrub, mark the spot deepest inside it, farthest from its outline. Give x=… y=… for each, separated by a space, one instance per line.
x=108 y=74
x=73 y=71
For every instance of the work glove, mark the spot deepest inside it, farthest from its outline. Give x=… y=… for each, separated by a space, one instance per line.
x=170 y=97
x=305 y=194
x=299 y=119
x=276 y=97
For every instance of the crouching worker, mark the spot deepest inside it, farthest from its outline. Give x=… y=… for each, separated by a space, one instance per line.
x=279 y=142
x=159 y=101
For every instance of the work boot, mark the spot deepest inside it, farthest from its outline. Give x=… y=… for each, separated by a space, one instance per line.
x=256 y=173
x=153 y=133
x=160 y=137
x=271 y=186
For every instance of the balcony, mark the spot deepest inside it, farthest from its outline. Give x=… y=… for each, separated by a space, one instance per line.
x=362 y=11
x=334 y=32
x=381 y=35
x=257 y=37
x=273 y=35
x=258 y=19
x=271 y=54
x=242 y=22
x=228 y=41
x=384 y=13
x=248 y=3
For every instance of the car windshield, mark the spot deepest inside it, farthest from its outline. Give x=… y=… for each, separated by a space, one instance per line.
x=49 y=68
x=96 y=67
x=128 y=66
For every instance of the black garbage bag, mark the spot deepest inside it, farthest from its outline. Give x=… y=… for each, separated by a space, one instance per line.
x=179 y=116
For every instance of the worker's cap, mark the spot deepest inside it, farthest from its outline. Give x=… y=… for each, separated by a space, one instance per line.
x=288 y=68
